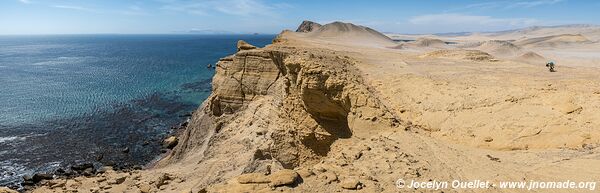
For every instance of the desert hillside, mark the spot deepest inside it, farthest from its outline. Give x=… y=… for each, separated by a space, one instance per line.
x=343 y=108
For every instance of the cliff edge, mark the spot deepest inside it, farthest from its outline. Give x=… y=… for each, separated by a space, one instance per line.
x=319 y=111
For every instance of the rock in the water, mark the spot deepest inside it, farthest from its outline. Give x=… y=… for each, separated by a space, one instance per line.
x=308 y=26
x=170 y=142
x=185 y=123
x=88 y=172
x=242 y=45
x=283 y=177
x=39 y=177
x=27 y=181
x=81 y=167
x=350 y=184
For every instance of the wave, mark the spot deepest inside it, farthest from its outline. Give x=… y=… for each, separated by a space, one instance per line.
x=12 y=138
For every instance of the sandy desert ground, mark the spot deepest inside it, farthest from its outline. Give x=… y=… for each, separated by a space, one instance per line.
x=343 y=108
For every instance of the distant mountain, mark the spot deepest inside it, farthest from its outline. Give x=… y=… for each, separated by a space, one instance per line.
x=451 y=34
x=207 y=32
x=525 y=30
x=534 y=28
x=587 y=32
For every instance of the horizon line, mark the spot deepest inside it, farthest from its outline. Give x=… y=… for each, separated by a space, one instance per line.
x=136 y=34
x=250 y=33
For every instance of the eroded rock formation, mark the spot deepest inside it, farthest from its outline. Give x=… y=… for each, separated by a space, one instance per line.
x=281 y=107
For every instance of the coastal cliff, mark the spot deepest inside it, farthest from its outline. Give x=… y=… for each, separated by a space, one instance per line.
x=278 y=107
x=337 y=109
x=272 y=110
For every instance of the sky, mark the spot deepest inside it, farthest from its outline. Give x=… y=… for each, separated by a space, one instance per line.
x=272 y=16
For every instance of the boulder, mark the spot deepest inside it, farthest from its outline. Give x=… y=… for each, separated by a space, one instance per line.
x=305 y=173
x=350 y=184
x=242 y=45
x=39 y=177
x=283 y=177
x=81 y=167
x=88 y=172
x=186 y=191
x=163 y=179
x=57 y=183
x=328 y=177
x=118 y=180
x=170 y=142
x=145 y=188
x=73 y=184
x=253 y=178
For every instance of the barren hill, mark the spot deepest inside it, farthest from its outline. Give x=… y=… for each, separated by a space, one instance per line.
x=500 y=48
x=591 y=31
x=308 y=26
x=557 y=40
x=423 y=44
x=348 y=33
x=532 y=57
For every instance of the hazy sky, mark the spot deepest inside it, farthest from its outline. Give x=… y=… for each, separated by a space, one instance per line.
x=270 y=16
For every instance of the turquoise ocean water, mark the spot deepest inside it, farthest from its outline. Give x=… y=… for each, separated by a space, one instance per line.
x=68 y=99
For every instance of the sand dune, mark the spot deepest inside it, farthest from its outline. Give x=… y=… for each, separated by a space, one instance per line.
x=429 y=42
x=500 y=48
x=553 y=41
x=473 y=55
x=590 y=31
x=350 y=34
x=531 y=57
x=423 y=44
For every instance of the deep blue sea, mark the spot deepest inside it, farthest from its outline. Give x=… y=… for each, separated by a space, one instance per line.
x=68 y=99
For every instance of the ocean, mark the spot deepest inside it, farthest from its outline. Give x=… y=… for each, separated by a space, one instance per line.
x=106 y=99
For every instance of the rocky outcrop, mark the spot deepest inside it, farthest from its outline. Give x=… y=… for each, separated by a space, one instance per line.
x=552 y=41
x=170 y=142
x=308 y=26
x=242 y=45
x=277 y=108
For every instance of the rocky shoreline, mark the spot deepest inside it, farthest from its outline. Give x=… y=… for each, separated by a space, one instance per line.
x=58 y=177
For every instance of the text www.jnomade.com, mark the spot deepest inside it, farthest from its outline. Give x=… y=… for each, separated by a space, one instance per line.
x=483 y=184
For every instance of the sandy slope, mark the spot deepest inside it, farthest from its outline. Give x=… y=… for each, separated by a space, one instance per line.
x=340 y=108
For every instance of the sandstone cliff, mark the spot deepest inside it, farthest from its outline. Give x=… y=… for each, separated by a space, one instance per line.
x=278 y=107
